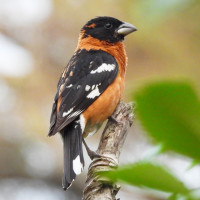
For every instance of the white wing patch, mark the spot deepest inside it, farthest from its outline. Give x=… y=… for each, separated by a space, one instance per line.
x=87 y=88
x=82 y=123
x=75 y=113
x=77 y=165
x=103 y=67
x=68 y=112
x=94 y=93
x=69 y=86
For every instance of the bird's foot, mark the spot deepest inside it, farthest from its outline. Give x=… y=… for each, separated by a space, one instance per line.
x=112 y=118
x=91 y=154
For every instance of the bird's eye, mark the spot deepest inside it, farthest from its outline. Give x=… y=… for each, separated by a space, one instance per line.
x=108 y=26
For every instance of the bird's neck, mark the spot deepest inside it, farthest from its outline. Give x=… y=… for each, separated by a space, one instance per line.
x=117 y=49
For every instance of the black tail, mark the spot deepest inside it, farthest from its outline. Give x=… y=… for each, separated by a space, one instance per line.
x=73 y=153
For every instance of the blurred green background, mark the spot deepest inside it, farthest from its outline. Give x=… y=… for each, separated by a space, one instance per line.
x=37 y=38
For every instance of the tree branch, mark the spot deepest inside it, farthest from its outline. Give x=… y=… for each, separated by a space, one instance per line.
x=110 y=147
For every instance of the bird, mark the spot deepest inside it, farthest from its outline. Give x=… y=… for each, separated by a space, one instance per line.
x=89 y=89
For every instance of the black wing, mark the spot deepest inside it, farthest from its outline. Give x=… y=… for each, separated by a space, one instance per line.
x=85 y=78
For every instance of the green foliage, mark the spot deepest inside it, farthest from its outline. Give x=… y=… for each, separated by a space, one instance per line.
x=146 y=174
x=183 y=197
x=170 y=112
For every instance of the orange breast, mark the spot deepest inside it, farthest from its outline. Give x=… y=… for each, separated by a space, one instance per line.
x=105 y=105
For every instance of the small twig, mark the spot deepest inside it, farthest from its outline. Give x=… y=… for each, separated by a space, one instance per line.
x=110 y=147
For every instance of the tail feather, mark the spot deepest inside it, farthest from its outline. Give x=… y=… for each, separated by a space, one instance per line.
x=73 y=153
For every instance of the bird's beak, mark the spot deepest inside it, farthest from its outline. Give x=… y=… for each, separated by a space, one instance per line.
x=126 y=28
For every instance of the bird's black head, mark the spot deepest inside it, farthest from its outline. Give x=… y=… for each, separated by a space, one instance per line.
x=107 y=29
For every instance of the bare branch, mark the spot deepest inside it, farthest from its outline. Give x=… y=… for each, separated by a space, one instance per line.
x=110 y=147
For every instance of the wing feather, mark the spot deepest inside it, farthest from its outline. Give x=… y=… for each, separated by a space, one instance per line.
x=88 y=75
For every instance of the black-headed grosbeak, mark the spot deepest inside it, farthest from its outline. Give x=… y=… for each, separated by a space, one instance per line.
x=89 y=89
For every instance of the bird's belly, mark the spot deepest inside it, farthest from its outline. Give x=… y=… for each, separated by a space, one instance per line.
x=105 y=104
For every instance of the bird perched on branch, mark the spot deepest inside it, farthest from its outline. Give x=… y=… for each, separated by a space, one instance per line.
x=89 y=89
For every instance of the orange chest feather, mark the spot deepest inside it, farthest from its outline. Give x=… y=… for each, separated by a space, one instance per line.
x=105 y=105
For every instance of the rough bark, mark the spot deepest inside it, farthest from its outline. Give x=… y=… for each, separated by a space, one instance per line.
x=110 y=147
